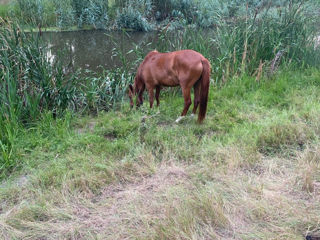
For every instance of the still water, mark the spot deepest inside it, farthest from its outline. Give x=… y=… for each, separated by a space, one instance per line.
x=95 y=49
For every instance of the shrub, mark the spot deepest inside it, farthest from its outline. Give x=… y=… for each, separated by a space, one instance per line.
x=93 y=12
x=96 y=14
x=133 y=16
x=175 y=9
x=65 y=13
x=30 y=11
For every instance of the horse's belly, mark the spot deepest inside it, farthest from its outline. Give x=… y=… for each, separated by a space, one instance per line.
x=168 y=81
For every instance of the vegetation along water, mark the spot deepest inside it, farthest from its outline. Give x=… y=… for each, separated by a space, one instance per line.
x=76 y=162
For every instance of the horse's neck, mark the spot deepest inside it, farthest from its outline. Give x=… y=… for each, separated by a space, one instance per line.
x=146 y=59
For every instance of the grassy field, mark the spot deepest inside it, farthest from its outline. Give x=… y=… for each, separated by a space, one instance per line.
x=77 y=163
x=251 y=171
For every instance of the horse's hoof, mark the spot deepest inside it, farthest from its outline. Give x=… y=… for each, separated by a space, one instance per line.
x=192 y=115
x=179 y=119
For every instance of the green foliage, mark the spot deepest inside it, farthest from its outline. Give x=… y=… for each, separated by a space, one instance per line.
x=4 y=10
x=266 y=39
x=93 y=12
x=280 y=136
x=32 y=11
x=142 y=15
x=253 y=45
x=176 y=9
x=133 y=16
x=65 y=14
x=31 y=85
x=101 y=92
x=61 y=13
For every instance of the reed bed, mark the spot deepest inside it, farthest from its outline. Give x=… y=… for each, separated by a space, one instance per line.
x=30 y=85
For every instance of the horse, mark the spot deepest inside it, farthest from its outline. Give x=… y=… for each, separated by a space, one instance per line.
x=184 y=68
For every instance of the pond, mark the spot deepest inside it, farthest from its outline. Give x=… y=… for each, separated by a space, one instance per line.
x=95 y=49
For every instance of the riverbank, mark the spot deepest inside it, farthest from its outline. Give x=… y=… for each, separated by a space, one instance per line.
x=250 y=171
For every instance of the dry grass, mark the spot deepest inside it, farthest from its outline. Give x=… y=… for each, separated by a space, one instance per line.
x=276 y=198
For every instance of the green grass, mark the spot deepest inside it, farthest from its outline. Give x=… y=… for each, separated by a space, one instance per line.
x=4 y=10
x=251 y=171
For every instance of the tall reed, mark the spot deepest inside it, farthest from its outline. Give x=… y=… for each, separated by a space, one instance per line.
x=30 y=85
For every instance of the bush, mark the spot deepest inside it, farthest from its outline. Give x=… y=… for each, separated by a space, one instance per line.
x=30 y=11
x=93 y=12
x=134 y=16
x=175 y=9
x=96 y=14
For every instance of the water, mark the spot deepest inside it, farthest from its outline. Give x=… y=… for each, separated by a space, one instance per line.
x=94 y=49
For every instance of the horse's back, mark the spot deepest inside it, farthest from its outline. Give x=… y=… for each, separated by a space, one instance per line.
x=169 y=69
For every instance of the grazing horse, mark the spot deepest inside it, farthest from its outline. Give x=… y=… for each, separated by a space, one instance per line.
x=186 y=68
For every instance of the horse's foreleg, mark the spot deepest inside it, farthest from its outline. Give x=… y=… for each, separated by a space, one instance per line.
x=157 y=95
x=151 y=94
x=196 y=101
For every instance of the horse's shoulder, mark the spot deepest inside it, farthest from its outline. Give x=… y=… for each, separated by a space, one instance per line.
x=151 y=53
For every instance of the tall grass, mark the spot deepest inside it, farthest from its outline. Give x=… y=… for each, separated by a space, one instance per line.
x=255 y=43
x=61 y=13
x=31 y=85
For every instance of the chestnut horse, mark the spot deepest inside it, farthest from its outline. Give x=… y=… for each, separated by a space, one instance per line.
x=186 y=68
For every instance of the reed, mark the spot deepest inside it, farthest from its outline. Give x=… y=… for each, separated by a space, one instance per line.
x=31 y=85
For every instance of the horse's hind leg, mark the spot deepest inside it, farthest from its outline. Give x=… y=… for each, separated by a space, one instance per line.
x=187 y=100
x=196 y=101
x=151 y=94
x=187 y=103
x=157 y=95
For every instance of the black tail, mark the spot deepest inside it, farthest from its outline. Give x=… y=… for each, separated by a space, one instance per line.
x=205 y=82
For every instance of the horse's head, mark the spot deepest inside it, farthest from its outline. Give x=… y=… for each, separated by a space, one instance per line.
x=136 y=89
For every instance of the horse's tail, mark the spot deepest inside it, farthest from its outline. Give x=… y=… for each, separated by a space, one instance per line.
x=204 y=81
